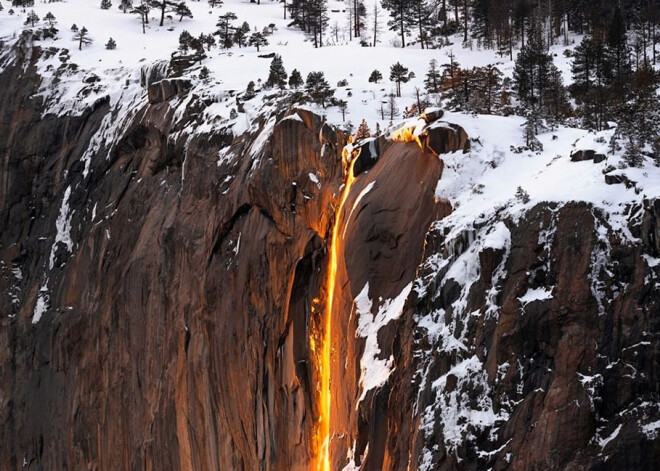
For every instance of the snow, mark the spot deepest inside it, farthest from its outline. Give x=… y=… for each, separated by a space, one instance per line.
x=458 y=411
x=339 y=59
x=374 y=372
x=603 y=443
x=63 y=227
x=536 y=294
x=650 y=430
x=314 y=178
x=499 y=238
x=41 y=305
x=481 y=185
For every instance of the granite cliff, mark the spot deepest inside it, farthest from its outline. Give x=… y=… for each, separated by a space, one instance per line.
x=159 y=289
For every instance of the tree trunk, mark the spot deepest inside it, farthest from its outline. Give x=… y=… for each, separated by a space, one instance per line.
x=420 y=20
x=465 y=21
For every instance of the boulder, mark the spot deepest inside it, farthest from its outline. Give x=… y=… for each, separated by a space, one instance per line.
x=582 y=155
x=444 y=138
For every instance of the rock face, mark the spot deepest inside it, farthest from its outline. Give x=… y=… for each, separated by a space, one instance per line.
x=552 y=353
x=157 y=300
x=168 y=88
x=170 y=290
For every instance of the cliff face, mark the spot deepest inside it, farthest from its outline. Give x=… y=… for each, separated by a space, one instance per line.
x=154 y=312
x=159 y=289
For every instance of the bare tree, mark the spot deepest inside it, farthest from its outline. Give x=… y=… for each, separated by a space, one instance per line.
x=376 y=25
x=391 y=108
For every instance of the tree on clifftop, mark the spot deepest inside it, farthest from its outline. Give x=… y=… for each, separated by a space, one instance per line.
x=277 y=75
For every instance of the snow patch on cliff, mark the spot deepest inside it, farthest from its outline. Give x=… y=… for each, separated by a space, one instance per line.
x=63 y=226
x=463 y=404
x=375 y=371
x=536 y=294
x=41 y=306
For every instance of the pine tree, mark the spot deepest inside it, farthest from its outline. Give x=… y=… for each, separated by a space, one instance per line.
x=343 y=107
x=216 y=3
x=106 y=4
x=433 y=81
x=182 y=11
x=207 y=40
x=83 y=38
x=400 y=13
x=363 y=131
x=358 y=16
x=317 y=20
x=258 y=40
x=111 y=44
x=462 y=94
x=591 y=74
x=225 y=29
x=126 y=5
x=640 y=121
x=419 y=19
x=556 y=98
x=74 y=28
x=375 y=76
x=633 y=152
x=399 y=74
x=481 y=18
x=22 y=3
x=197 y=45
x=533 y=126
x=531 y=71
x=618 y=57
x=277 y=76
x=50 y=18
x=295 y=79
x=204 y=73
x=249 y=92
x=450 y=71
x=582 y=68
x=165 y=7
x=142 y=10
x=32 y=19
x=185 y=41
x=240 y=37
x=488 y=81
x=318 y=88
x=521 y=195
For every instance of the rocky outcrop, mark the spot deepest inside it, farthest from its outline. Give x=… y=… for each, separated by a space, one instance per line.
x=547 y=359
x=582 y=155
x=167 y=89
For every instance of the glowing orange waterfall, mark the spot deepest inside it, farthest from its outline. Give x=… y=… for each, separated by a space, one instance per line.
x=323 y=430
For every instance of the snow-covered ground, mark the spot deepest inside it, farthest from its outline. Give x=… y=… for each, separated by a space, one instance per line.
x=232 y=69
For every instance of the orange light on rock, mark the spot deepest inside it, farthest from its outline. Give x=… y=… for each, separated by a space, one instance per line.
x=407 y=135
